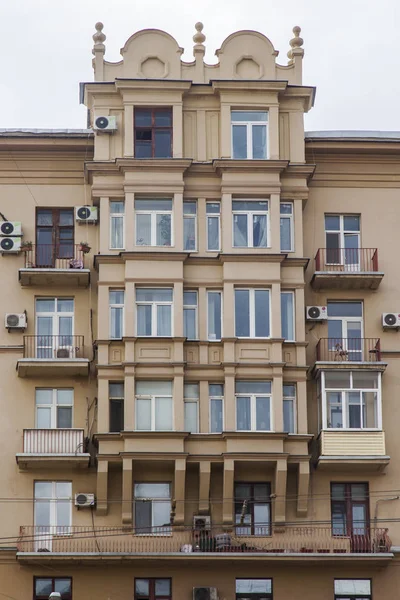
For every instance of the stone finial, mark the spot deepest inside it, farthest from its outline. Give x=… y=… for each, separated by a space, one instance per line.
x=99 y=38
x=296 y=43
x=199 y=37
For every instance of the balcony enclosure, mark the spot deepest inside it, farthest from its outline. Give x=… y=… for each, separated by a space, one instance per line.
x=53 y=448
x=58 y=355
x=346 y=268
x=355 y=349
x=58 y=264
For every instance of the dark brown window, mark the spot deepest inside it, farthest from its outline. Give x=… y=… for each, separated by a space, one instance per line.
x=153 y=133
x=153 y=589
x=350 y=509
x=253 y=508
x=54 y=235
x=44 y=586
x=116 y=395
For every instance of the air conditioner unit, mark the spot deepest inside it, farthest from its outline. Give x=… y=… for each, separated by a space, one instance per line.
x=316 y=313
x=205 y=593
x=63 y=353
x=85 y=500
x=10 y=228
x=201 y=522
x=106 y=124
x=10 y=245
x=86 y=214
x=15 y=321
x=391 y=320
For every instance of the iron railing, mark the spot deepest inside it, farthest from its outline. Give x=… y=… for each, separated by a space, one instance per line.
x=166 y=540
x=52 y=347
x=53 y=441
x=54 y=256
x=347 y=260
x=349 y=349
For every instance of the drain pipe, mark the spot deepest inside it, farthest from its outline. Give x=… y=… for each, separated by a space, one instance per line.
x=383 y=500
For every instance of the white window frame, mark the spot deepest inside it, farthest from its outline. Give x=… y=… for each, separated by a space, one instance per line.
x=154 y=304
x=253 y=410
x=53 y=407
x=153 y=223
x=159 y=529
x=117 y=216
x=53 y=526
x=343 y=392
x=219 y=398
x=290 y=218
x=153 y=398
x=196 y=309
x=290 y=292
x=252 y=313
x=214 y=216
x=187 y=217
x=293 y=399
x=342 y=233
x=192 y=400
x=116 y=306
x=249 y=132
x=345 y=323
x=55 y=316
x=222 y=316
x=250 y=214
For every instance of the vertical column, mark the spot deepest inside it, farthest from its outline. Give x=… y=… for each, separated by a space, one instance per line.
x=204 y=487
x=280 y=490
x=202 y=313
x=103 y=315
x=104 y=225
x=227 y=505
x=130 y=311
x=229 y=393
x=201 y=225
x=102 y=487
x=276 y=322
x=180 y=477
x=296 y=132
x=299 y=314
x=277 y=399
x=275 y=223
x=127 y=491
x=225 y=131
x=226 y=222
x=204 y=407
x=177 y=120
x=177 y=395
x=177 y=226
x=201 y=136
x=228 y=311
x=302 y=488
x=128 y=130
x=103 y=412
x=178 y=309
x=273 y=116
x=301 y=389
x=129 y=221
x=129 y=400
x=298 y=227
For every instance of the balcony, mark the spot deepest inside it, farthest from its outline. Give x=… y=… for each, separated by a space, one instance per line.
x=53 y=355
x=346 y=269
x=352 y=450
x=61 y=266
x=53 y=448
x=346 y=353
x=283 y=543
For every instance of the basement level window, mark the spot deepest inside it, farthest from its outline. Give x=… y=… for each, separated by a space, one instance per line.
x=153 y=133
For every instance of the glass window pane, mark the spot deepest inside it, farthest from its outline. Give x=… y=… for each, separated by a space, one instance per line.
x=164 y=320
x=351 y=223
x=149 y=204
x=144 y=320
x=243 y=414
x=64 y=305
x=152 y=490
x=214 y=315
x=44 y=217
x=249 y=115
x=191 y=420
x=189 y=233
x=338 y=491
x=365 y=380
x=189 y=323
x=154 y=388
x=116 y=415
x=332 y=223
x=253 y=586
x=287 y=312
x=213 y=233
x=216 y=389
x=163 y=143
x=143 y=516
x=153 y=294
x=261 y=311
x=143 y=413
x=286 y=235
x=289 y=390
x=142 y=587
x=63 y=489
x=143 y=230
x=66 y=217
x=213 y=208
x=43 y=417
x=216 y=415
x=352 y=586
x=163 y=413
x=116 y=322
x=190 y=298
x=116 y=297
x=191 y=390
x=370 y=415
x=62 y=586
x=116 y=390
x=354 y=409
x=239 y=141
x=250 y=205
x=259 y=141
x=63 y=513
x=117 y=207
x=43 y=587
x=117 y=232
x=344 y=309
x=161 y=514
x=163 y=118
x=337 y=380
x=242 y=313
x=163 y=587
x=163 y=230
x=43 y=489
x=262 y=517
x=64 y=417
x=45 y=305
x=44 y=396
x=335 y=411
x=143 y=149
x=253 y=387
x=240 y=234
x=359 y=491
x=288 y=416
x=259 y=231
x=189 y=207
x=142 y=117
x=286 y=208
x=263 y=422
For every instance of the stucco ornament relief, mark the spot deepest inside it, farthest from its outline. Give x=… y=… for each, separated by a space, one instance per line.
x=153 y=67
x=248 y=68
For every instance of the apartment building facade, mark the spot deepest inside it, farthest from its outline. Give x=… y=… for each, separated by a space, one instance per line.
x=203 y=388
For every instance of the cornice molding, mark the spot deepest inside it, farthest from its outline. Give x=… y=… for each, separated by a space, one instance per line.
x=222 y=165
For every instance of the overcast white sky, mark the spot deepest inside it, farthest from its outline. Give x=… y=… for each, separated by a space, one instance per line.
x=351 y=52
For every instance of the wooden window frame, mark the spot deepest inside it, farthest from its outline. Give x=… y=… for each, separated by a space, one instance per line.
x=53 y=579
x=251 y=502
x=348 y=503
x=55 y=228
x=153 y=127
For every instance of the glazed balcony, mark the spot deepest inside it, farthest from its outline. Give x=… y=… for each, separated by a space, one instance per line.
x=347 y=269
x=313 y=542
x=54 y=265
x=53 y=355
x=350 y=450
x=53 y=448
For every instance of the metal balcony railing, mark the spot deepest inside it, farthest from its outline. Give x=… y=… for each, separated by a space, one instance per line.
x=53 y=441
x=349 y=349
x=165 y=540
x=53 y=347
x=347 y=260
x=54 y=256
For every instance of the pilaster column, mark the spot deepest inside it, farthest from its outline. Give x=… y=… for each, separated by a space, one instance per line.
x=102 y=487
x=276 y=319
x=128 y=131
x=280 y=490
x=302 y=425
x=103 y=412
x=177 y=119
x=103 y=319
x=180 y=477
x=225 y=131
x=104 y=225
x=179 y=408
x=273 y=116
x=277 y=399
x=302 y=488
x=127 y=491
x=130 y=240
x=129 y=400
x=204 y=487
x=227 y=505
x=226 y=220
x=229 y=392
x=275 y=223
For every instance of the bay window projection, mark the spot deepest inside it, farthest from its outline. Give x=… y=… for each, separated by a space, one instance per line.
x=287 y=316
x=154 y=410
x=117 y=224
x=154 y=312
x=250 y=223
x=116 y=301
x=289 y=407
x=190 y=226
x=213 y=212
x=252 y=313
x=216 y=396
x=190 y=315
x=351 y=400
x=214 y=316
x=191 y=407
x=286 y=227
x=152 y=507
x=54 y=408
x=249 y=134
x=153 y=221
x=253 y=405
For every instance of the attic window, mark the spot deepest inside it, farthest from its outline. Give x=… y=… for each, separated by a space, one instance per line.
x=153 y=132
